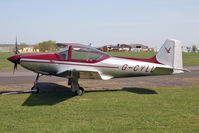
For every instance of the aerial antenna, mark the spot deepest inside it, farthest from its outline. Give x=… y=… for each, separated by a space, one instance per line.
x=90 y=45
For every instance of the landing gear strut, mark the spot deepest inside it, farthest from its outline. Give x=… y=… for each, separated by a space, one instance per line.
x=75 y=87
x=35 y=88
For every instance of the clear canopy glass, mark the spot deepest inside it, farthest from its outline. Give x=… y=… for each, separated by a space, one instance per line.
x=82 y=53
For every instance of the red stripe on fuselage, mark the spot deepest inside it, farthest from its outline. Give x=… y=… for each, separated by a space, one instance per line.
x=57 y=57
x=150 y=60
x=49 y=56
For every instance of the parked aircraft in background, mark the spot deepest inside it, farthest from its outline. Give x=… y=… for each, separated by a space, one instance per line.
x=76 y=62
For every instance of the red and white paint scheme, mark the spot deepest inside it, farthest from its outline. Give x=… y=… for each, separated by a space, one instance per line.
x=80 y=61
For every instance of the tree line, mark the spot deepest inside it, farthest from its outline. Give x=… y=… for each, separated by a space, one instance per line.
x=45 y=46
x=49 y=46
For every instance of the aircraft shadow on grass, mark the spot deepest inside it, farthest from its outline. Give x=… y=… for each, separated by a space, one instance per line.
x=58 y=93
x=140 y=90
x=133 y=90
x=50 y=94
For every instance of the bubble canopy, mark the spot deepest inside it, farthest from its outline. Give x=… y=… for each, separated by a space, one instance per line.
x=82 y=53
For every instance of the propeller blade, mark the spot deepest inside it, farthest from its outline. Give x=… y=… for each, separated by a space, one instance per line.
x=15 y=68
x=16 y=47
x=13 y=59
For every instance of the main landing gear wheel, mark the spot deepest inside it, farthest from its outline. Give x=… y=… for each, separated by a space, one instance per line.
x=80 y=92
x=75 y=87
x=35 y=89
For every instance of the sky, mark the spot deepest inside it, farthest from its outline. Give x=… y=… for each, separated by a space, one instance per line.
x=100 y=22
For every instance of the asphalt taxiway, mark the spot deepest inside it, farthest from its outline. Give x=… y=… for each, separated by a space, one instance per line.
x=24 y=79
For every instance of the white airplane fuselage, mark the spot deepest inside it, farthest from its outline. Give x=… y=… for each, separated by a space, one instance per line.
x=112 y=67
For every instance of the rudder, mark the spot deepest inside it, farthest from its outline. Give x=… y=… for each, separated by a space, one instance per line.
x=171 y=54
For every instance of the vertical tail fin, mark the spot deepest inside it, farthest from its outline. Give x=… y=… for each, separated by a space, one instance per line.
x=171 y=54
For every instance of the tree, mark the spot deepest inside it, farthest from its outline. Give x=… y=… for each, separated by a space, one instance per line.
x=22 y=45
x=194 y=48
x=36 y=46
x=46 y=46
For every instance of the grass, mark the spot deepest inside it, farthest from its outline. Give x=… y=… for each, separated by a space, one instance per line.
x=155 y=110
x=133 y=54
x=4 y=63
x=189 y=59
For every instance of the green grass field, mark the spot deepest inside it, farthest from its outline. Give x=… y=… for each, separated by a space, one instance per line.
x=4 y=63
x=151 y=110
x=133 y=54
x=189 y=59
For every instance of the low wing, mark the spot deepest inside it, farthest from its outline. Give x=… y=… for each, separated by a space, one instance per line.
x=85 y=75
x=89 y=75
x=82 y=74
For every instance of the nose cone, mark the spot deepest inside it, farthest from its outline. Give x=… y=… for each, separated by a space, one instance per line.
x=14 y=59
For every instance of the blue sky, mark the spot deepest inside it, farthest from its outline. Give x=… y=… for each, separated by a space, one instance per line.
x=101 y=22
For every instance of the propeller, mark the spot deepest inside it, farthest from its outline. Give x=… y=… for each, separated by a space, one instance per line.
x=15 y=68
x=16 y=47
x=16 y=53
x=16 y=58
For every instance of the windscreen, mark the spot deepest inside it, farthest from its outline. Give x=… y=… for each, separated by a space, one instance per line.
x=63 y=52
x=87 y=54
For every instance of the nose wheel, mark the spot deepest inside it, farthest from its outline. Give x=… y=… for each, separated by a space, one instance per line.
x=80 y=91
x=35 y=89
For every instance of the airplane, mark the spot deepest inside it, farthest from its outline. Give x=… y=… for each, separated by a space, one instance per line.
x=77 y=61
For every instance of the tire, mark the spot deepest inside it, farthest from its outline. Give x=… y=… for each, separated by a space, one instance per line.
x=80 y=92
